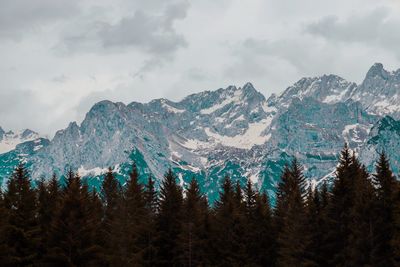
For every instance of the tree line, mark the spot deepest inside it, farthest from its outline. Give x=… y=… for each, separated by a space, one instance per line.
x=355 y=221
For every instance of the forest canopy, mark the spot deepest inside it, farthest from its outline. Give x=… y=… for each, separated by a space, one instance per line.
x=353 y=221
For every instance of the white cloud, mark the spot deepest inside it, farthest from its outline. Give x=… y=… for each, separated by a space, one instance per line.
x=378 y=27
x=59 y=57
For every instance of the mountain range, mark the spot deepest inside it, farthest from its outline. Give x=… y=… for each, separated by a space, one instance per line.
x=234 y=131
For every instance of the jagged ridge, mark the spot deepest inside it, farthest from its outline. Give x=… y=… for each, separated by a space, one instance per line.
x=232 y=131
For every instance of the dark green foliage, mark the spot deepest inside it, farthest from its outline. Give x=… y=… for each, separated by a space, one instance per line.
x=395 y=241
x=292 y=237
x=111 y=197
x=150 y=195
x=127 y=235
x=5 y=249
x=193 y=236
x=229 y=227
x=149 y=223
x=21 y=230
x=73 y=230
x=386 y=199
x=339 y=210
x=48 y=200
x=356 y=222
x=316 y=225
x=362 y=227
x=168 y=221
x=259 y=232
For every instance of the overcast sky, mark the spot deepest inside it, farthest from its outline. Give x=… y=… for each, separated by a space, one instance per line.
x=59 y=57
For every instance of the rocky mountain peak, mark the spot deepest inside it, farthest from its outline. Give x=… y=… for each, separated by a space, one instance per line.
x=326 y=88
x=377 y=70
x=232 y=130
x=379 y=93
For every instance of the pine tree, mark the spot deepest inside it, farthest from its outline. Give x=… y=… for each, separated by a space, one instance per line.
x=250 y=210
x=395 y=242
x=250 y=198
x=73 y=231
x=22 y=225
x=111 y=197
x=110 y=194
x=315 y=225
x=151 y=197
x=151 y=206
x=96 y=209
x=282 y=196
x=259 y=234
x=238 y=196
x=362 y=214
x=229 y=227
x=137 y=214
x=341 y=203
x=48 y=198
x=5 y=250
x=191 y=240
x=128 y=234
x=168 y=220
x=70 y=179
x=323 y=253
x=386 y=187
x=292 y=237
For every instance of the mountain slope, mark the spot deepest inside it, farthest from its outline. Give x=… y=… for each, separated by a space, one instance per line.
x=9 y=140
x=235 y=131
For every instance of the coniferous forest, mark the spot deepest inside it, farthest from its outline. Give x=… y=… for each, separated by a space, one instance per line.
x=354 y=221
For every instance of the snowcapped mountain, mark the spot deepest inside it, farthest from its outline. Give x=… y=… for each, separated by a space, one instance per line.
x=379 y=93
x=16 y=147
x=327 y=89
x=9 y=140
x=235 y=131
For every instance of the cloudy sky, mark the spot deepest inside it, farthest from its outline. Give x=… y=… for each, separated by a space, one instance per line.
x=59 y=57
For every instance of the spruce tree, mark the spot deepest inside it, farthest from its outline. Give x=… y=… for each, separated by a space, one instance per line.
x=386 y=189
x=395 y=242
x=5 y=250
x=229 y=227
x=151 y=197
x=250 y=223
x=137 y=215
x=191 y=240
x=96 y=210
x=168 y=220
x=250 y=198
x=324 y=250
x=362 y=228
x=292 y=237
x=128 y=235
x=48 y=199
x=111 y=197
x=73 y=230
x=341 y=203
x=315 y=226
x=259 y=234
x=282 y=196
x=22 y=226
x=238 y=196
x=151 y=206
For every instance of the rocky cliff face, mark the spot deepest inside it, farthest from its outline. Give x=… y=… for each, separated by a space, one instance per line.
x=235 y=131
